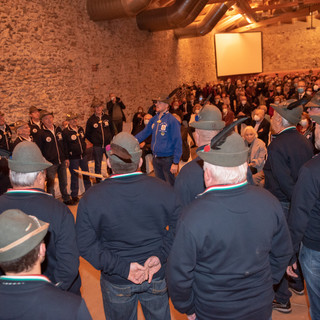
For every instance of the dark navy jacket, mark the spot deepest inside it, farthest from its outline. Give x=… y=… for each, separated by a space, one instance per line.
x=304 y=218
x=99 y=131
x=287 y=152
x=166 y=136
x=122 y=220
x=74 y=143
x=34 y=297
x=231 y=246
x=35 y=130
x=62 y=262
x=51 y=145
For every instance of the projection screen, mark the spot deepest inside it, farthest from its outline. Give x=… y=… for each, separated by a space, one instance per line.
x=238 y=53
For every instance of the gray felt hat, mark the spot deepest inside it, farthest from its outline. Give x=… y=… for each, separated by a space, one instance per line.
x=27 y=157
x=19 y=234
x=293 y=116
x=315 y=101
x=232 y=152
x=162 y=98
x=209 y=118
x=124 y=147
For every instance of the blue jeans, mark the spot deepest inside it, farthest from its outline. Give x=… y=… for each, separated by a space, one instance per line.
x=282 y=293
x=61 y=169
x=120 y=301
x=75 y=164
x=97 y=153
x=161 y=166
x=310 y=264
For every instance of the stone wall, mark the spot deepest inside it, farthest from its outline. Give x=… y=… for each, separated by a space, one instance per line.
x=53 y=56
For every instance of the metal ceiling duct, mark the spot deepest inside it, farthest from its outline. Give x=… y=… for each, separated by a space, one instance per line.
x=114 y=9
x=179 y=15
x=207 y=24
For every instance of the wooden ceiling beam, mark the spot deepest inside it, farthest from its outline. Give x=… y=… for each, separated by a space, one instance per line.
x=281 y=18
x=285 y=5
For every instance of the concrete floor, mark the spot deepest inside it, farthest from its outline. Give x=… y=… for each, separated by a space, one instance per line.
x=92 y=294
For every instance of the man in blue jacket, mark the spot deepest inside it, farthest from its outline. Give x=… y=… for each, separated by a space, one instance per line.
x=304 y=224
x=166 y=144
x=232 y=243
x=122 y=231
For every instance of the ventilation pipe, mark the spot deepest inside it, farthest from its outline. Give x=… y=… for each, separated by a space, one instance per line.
x=207 y=24
x=179 y=15
x=114 y=9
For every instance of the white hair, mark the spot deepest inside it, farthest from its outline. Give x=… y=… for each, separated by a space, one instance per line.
x=249 y=128
x=23 y=179
x=227 y=175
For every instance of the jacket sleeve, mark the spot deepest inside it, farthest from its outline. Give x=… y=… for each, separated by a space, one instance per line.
x=281 y=172
x=305 y=196
x=177 y=140
x=67 y=253
x=281 y=246
x=180 y=270
x=146 y=132
x=90 y=247
x=173 y=211
x=88 y=133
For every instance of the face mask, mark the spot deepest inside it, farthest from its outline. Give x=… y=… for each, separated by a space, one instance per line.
x=256 y=118
x=250 y=84
x=225 y=111
x=304 y=122
x=300 y=90
x=309 y=93
x=146 y=122
x=279 y=91
x=200 y=98
x=175 y=107
x=276 y=102
x=140 y=111
x=315 y=87
x=243 y=102
x=196 y=111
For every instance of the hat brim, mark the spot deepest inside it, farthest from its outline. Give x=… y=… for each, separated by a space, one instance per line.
x=26 y=246
x=224 y=159
x=135 y=157
x=47 y=114
x=208 y=125
x=26 y=167
x=311 y=104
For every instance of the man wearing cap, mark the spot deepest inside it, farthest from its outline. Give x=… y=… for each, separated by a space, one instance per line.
x=75 y=147
x=166 y=141
x=129 y=242
x=287 y=152
x=304 y=224
x=34 y=123
x=99 y=131
x=24 y=292
x=115 y=108
x=27 y=175
x=5 y=134
x=50 y=143
x=227 y=255
x=23 y=131
x=189 y=182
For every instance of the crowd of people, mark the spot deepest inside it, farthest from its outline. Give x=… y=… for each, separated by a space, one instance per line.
x=230 y=236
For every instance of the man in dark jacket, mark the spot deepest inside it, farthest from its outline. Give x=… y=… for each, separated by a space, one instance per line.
x=227 y=254
x=24 y=292
x=304 y=224
x=51 y=145
x=189 y=182
x=287 y=153
x=75 y=147
x=27 y=174
x=34 y=123
x=99 y=131
x=115 y=109
x=129 y=242
x=5 y=134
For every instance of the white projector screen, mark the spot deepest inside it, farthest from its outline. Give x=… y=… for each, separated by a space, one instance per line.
x=238 y=53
